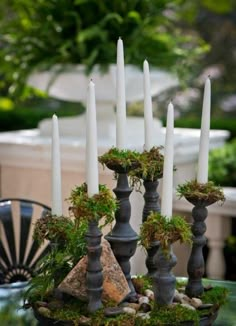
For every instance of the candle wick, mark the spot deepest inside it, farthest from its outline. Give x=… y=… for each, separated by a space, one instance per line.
x=209 y=76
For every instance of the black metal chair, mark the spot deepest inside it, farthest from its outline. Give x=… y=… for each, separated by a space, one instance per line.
x=19 y=253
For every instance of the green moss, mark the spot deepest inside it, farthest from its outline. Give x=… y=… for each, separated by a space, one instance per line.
x=167 y=231
x=217 y=296
x=173 y=315
x=160 y=315
x=151 y=166
x=142 y=283
x=122 y=157
x=99 y=206
x=201 y=191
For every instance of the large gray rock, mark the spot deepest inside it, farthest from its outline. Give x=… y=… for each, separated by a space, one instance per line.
x=115 y=286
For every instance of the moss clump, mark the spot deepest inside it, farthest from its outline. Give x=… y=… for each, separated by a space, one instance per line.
x=151 y=166
x=142 y=283
x=167 y=231
x=217 y=296
x=101 y=205
x=209 y=192
x=124 y=158
x=172 y=315
x=53 y=228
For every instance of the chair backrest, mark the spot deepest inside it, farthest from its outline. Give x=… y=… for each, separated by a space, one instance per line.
x=19 y=253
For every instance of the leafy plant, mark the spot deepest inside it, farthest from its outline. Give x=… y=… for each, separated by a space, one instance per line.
x=167 y=231
x=39 y=34
x=101 y=205
x=222 y=165
x=68 y=246
x=201 y=191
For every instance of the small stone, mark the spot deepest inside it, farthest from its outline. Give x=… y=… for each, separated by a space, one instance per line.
x=83 y=320
x=186 y=305
x=129 y=311
x=41 y=304
x=181 y=298
x=44 y=312
x=145 y=307
x=132 y=305
x=143 y=300
x=205 y=306
x=195 y=302
x=143 y=315
x=113 y=311
x=149 y=294
x=133 y=299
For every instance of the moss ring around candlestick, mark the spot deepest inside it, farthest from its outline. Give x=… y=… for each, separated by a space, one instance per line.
x=100 y=206
x=201 y=194
x=120 y=160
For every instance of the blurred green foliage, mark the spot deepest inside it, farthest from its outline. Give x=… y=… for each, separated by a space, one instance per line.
x=28 y=114
x=39 y=34
x=222 y=165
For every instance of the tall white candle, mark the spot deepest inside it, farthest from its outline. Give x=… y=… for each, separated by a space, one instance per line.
x=120 y=97
x=148 y=116
x=167 y=184
x=91 y=143
x=202 y=174
x=56 y=169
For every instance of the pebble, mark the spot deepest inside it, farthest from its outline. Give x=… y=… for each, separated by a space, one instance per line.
x=143 y=315
x=113 y=311
x=205 y=306
x=143 y=300
x=186 y=305
x=181 y=298
x=135 y=306
x=129 y=311
x=196 y=302
x=44 y=312
x=83 y=320
x=145 y=307
x=150 y=294
x=41 y=304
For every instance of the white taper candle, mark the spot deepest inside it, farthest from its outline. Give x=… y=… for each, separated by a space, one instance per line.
x=56 y=169
x=120 y=97
x=148 y=116
x=202 y=174
x=167 y=183
x=91 y=143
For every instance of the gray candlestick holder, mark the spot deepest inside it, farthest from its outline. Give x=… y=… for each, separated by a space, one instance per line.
x=151 y=204
x=196 y=264
x=164 y=280
x=94 y=277
x=123 y=239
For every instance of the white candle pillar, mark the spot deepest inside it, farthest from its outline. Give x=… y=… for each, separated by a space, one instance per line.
x=91 y=143
x=148 y=116
x=167 y=183
x=202 y=174
x=56 y=169
x=120 y=97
